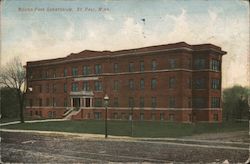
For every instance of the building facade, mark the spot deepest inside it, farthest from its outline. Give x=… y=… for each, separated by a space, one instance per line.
x=173 y=82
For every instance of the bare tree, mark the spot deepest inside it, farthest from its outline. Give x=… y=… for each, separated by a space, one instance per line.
x=12 y=75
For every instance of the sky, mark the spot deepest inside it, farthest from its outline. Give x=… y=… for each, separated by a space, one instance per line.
x=45 y=29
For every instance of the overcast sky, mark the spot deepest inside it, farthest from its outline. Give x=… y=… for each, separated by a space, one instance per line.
x=35 y=30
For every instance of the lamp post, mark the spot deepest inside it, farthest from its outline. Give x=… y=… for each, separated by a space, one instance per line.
x=132 y=113
x=106 y=101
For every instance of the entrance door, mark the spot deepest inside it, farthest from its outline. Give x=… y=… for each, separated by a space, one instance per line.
x=76 y=102
x=87 y=102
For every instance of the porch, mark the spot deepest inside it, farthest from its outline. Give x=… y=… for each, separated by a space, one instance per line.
x=81 y=99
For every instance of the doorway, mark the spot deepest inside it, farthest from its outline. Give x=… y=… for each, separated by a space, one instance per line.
x=76 y=102
x=87 y=102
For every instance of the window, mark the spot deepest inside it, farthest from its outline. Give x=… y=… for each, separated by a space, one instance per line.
x=39 y=74
x=153 y=102
x=216 y=117
x=189 y=63
x=47 y=88
x=215 y=84
x=65 y=72
x=53 y=101
x=215 y=102
x=153 y=65
x=131 y=84
x=54 y=88
x=116 y=85
x=50 y=114
x=116 y=68
x=46 y=74
x=65 y=103
x=97 y=115
x=172 y=82
x=199 y=63
x=141 y=102
x=54 y=114
x=162 y=116
x=153 y=83
x=31 y=102
x=190 y=102
x=42 y=75
x=54 y=73
x=65 y=87
x=198 y=102
x=131 y=102
x=30 y=74
x=199 y=83
x=190 y=117
x=74 y=87
x=189 y=83
x=130 y=116
x=116 y=102
x=74 y=71
x=131 y=67
x=153 y=116
x=141 y=116
x=215 y=65
x=31 y=113
x=40 y=88
x=142 y=66
x=171 y=102
x=142 y=84
x=98 y=69
x=115 y=116
x=171 y=117
x=85 y=86
x=123 y=116
x=86 y=70
x=98 y=85
x=172 y=63
x=98 y=102
x=47 y=102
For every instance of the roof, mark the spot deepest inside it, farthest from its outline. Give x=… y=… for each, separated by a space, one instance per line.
x=88 y=54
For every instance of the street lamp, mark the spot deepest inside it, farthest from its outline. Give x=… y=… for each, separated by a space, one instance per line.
x=106 y=102
x=132 y=113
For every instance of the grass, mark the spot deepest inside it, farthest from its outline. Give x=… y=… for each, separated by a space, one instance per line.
x=5 y=120
x=140 y=128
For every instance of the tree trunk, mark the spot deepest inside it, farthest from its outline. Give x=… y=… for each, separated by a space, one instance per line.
x=21 y=99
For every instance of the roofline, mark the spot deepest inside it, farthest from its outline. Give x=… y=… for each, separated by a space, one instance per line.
x=113 y=54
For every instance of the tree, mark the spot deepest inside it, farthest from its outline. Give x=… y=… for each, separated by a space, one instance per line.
x=235 y=105
x=9 y=106
x=12 y=75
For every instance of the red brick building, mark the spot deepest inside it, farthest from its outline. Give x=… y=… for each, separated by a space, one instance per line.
x=173 y=82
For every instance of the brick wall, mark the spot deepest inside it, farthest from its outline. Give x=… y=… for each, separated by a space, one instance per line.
x=176 y=103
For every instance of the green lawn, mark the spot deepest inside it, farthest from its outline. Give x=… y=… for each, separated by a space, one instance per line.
x=140 y=129
x=5 y=120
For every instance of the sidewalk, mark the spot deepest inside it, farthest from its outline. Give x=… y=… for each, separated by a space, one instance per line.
x=82 y=135
x=31 y=121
